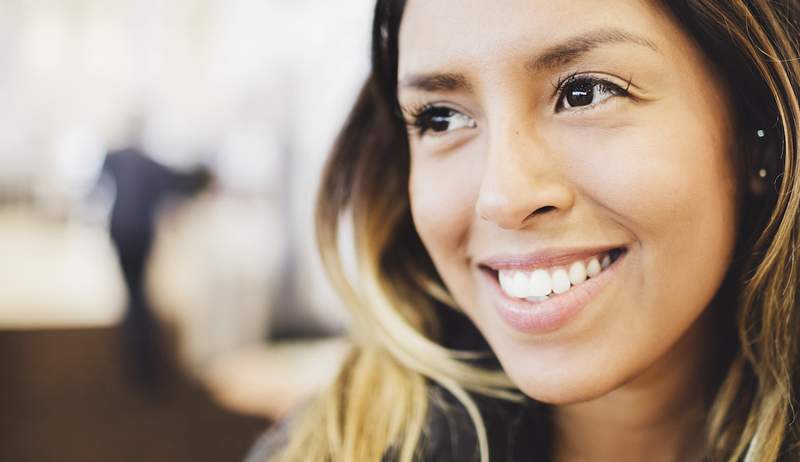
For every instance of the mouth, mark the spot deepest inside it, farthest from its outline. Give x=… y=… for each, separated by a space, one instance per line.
x=540 y=294
x=536 y=284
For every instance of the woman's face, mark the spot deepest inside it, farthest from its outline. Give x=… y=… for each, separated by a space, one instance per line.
x=546 y=138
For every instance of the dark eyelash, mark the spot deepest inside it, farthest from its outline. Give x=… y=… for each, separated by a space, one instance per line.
x=563 y=82
x=411 y=114
x=414 y=121
x=416 y=114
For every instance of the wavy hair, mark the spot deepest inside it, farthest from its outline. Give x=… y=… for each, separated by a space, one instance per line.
x=380 y=399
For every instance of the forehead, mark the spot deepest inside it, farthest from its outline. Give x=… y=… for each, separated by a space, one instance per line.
x=452 y=33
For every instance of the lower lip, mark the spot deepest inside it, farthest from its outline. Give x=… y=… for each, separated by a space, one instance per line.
x=551 y=314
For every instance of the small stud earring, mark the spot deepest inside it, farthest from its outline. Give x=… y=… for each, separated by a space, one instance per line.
x=761 y=134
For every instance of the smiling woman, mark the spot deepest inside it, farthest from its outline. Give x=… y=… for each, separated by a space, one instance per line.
x=577 y=230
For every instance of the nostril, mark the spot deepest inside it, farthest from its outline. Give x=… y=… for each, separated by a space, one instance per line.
x=543 y=210
x=540 y=211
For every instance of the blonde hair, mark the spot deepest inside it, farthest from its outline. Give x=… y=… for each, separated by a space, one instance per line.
x=379 y=401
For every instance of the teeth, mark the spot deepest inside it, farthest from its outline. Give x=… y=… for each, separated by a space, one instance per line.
x=541 y=284
x=577 y=273
x=505 y=281
x=560 y=281
x=593 y=268
x=520 y=284
x=538 y=285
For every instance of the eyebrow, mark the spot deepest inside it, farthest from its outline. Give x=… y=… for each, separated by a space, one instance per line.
x=554 y=56
x=572 y=48
x=435 y=82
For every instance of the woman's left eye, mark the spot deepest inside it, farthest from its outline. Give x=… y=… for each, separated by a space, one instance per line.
x=586 y=92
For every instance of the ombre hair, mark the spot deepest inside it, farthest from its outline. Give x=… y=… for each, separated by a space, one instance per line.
x=380 y=398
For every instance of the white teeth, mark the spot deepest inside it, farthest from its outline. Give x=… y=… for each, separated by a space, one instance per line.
x=593 y=268
x=560 y=281
x=502 y=277
x=540 y=283
x=577 y=273
x=537 y=285
x=506 y=282
x=520 y=284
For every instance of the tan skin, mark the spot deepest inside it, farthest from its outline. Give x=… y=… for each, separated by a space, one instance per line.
x=512 y=167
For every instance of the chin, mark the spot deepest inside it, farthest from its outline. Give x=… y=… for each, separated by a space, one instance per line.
x=560 y=375
x=563 y=388
x=563 y=393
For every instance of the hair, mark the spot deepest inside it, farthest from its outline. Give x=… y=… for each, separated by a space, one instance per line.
x=380 y=399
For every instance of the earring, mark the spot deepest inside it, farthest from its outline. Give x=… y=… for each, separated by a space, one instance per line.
x=757 y=182
x=761 y=134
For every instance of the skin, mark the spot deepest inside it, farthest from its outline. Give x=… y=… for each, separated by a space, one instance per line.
x=514 y=173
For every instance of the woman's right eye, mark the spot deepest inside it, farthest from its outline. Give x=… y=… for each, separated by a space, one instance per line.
x=440 y=120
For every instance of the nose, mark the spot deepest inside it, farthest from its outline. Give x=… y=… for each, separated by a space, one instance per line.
x=522 y=181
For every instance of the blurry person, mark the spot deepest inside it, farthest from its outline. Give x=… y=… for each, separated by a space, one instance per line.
x=577 y=235
x=142 y=185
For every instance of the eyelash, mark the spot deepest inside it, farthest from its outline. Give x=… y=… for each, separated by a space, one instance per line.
x=420 y=121
x=420 y=116
x=576 y=77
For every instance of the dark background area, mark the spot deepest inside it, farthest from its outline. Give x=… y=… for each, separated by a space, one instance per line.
x=66 y=396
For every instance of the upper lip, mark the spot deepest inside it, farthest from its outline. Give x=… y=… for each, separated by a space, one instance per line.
x=544 y=258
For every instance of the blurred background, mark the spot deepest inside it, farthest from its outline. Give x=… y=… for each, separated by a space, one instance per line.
x=161 y=298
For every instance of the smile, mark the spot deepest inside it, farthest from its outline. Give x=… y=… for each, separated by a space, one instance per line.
x=540 y=294
x=539 y=284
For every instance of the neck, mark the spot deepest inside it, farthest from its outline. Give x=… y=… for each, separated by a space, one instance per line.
x=657 y=416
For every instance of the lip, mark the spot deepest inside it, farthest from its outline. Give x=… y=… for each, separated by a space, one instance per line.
x=552 y=314
x=544 y=259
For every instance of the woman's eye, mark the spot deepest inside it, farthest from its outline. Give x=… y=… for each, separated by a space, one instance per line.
x=440 y=119
x=587 y=92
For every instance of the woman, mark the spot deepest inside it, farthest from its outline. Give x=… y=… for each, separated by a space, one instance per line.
x=577 y=233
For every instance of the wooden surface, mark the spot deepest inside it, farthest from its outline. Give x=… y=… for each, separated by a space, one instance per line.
x=66 y=396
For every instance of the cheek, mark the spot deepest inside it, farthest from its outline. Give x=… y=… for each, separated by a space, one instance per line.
x=673 y=186
x=442 y=192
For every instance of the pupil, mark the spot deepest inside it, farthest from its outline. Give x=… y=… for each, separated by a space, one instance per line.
x=580 y=94
x=440 y=120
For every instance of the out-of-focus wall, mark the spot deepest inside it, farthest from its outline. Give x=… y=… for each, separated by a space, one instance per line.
x=254 y=90
x=247 y=93
x=251 y=91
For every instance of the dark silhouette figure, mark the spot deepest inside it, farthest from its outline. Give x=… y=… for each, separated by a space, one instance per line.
x=142 y=184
